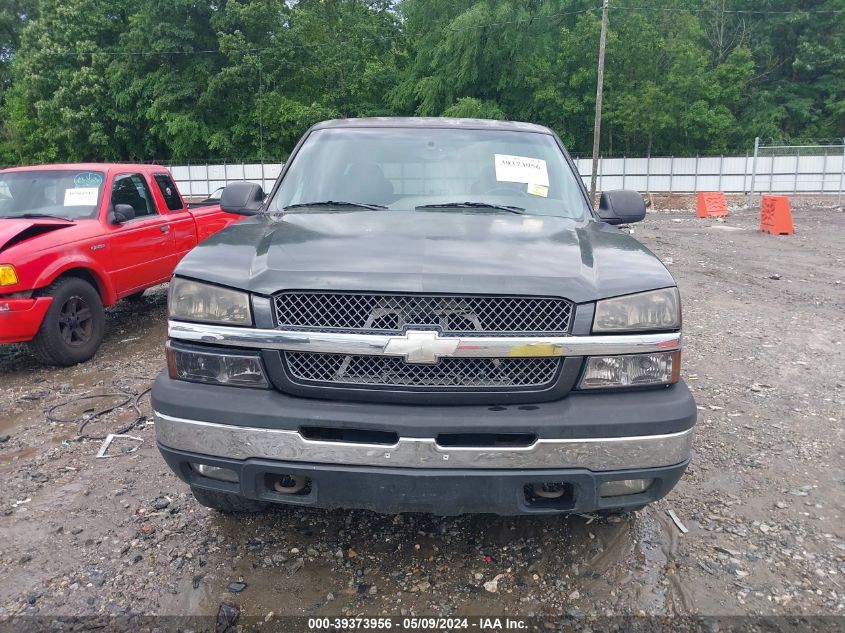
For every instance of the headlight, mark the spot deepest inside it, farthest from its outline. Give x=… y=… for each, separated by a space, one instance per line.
x=635 y=370
x=193 y=301
x=216 y=367
x=8 y=275
x=655 y=310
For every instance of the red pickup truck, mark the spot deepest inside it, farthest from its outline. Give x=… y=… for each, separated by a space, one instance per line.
x=76 y=238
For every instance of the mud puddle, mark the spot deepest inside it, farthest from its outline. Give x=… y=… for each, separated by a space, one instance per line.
x=310 y=562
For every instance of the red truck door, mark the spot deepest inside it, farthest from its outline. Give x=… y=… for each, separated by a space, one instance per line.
x=190 y=226
x=182 y=224
x=141 y=250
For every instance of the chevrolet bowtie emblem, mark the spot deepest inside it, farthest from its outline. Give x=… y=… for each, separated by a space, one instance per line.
x=421 y=346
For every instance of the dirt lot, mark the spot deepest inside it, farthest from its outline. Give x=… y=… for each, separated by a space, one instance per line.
x=764 y=499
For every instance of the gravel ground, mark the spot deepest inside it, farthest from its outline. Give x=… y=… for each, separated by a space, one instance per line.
x=763 y=500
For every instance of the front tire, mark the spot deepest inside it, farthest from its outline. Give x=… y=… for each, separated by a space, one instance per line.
x=226 y=501
x=74 y=324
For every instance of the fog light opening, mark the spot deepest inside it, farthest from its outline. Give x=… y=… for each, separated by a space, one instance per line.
x=623 y=487
x=287 y=484
x=548 y=490
x=557 y=495
x=215 y=472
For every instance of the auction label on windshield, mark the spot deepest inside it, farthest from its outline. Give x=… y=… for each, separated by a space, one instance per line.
x=81 y=196
x=521 y=169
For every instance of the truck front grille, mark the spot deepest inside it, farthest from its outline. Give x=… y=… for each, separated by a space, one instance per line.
x=470 y=315
x=392 y=371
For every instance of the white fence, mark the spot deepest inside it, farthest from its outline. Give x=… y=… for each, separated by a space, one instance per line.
x=782 y=173
x=201 y=180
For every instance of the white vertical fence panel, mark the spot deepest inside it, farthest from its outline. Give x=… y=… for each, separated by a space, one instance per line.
x=235 y=172
x=636 y=182
x=217 y=172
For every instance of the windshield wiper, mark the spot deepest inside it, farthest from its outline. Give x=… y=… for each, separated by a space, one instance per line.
x=31 y=216
x=336 y=203
x=473 y=205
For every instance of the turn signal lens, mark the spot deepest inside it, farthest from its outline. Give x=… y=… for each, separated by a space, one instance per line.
x=215 y=472
x=636 y=370
x=8 y=275
x=622 y=487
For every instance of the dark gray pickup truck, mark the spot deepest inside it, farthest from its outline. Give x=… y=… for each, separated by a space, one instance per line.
x=425 y=315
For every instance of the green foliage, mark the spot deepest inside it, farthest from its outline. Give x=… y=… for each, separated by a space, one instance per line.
x=14 y=14
x=58 y=104
x=471 y=108
x=243 y=79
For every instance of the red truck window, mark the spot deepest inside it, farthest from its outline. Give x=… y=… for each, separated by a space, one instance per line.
x=132 y=189
x=169 y=191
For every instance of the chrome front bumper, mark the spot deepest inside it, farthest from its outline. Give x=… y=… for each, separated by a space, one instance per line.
x=595 y=454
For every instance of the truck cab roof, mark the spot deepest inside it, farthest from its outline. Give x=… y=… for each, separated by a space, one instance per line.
x=136 y=167
x=433 y=122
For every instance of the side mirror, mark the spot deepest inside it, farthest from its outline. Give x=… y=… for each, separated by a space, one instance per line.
x=122 y=213
x=243 y=198
x=621 y=207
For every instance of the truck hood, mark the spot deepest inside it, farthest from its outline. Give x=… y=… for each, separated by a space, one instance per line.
x=15 y=231
x=434 y=252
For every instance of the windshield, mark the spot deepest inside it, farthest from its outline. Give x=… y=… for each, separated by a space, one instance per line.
x=62 y=193
x=403 y=169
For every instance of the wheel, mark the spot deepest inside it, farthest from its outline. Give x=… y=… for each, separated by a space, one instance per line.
x=136 y=297
x=74 y=324
x=226 y=501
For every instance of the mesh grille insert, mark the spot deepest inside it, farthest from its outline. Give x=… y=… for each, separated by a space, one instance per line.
x=391 y=371
x=393 y=314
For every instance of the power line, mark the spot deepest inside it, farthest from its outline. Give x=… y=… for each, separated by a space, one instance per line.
x=731 y=11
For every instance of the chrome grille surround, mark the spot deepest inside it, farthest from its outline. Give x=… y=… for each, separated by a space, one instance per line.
x=449 y=373
x=468 y=315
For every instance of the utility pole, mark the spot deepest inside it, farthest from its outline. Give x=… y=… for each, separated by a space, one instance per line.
x=599 y=91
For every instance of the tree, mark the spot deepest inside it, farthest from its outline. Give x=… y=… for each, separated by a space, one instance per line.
x=243 y=79
x=294 y=65
x=159 y=83
x=59 y=106
x=471 y=108
x=14 y=15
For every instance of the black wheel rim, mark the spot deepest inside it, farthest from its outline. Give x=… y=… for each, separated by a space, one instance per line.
x=76 y=322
